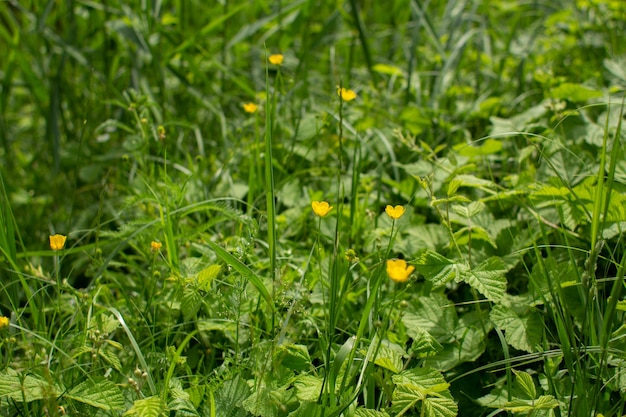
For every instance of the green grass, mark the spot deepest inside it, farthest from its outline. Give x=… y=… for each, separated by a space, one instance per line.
x=196 y=279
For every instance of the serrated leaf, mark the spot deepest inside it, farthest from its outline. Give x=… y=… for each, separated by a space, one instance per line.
x=26 y=388
x=368 y=412
x=293 y=356
x=438 y=269
x=308 y=387
x=420 y=384
x=518 y=405
x=191 y=303
x=440 y=407
x=230 y=396
x=148 y=407
x=111 y=358
x=522 y=330
x=182 y=407
x=435 y=315
x=207 y=275
x=100 y=393
x=525 y=383
x=389 y=355
x=487 y=147
x=488 y=278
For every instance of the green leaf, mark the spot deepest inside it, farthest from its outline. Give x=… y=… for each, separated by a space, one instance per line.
x=525 y=383
x=387 y=69
x=293 y=356
x=426 y=385
x=368 y=412
x=488 y=147
x=26 y=388
x=438 y=269
x=544 y=402
x=148 y=407
x=308 y=387
x=207 y=275
x=488 y=278
x=522 y=327
x=576 y=93
x=435 y=315
x=230 y=396
x=389 y=355
x=99 y=393
x=191 y=302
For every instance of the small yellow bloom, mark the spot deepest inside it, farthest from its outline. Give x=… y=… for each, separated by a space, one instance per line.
x=57 y=242
x=395 y=212
x=250 y=107
x=321 y=208
x=4 y=322
x=345 y=94
x=276 y=59
x=155 y=246
x=398 y=270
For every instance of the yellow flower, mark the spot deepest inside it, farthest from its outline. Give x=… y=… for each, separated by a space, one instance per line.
x=250 y=107
x=276 y=59
x=57 y=242
x=398 y=270
x=321 y=208
x=4 y=322
x=345 y=94
x=155 y=246
x=395 y=212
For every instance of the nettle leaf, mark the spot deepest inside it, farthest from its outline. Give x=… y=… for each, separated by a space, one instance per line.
x=488 y=278
x=522 y=329
x=308 y=387
x=424 y=344
x=99 y=393
x=426 y=385
x=468 y=345
x=524 y=382
x=229 y=397
x=438 y=269
x=435 y=315
x=148 y=407
x=544 y=402
x=389 y=355
x=26 y=388
x=293 y=356
x=367 y=412
x=206 y=277
x=191 y=303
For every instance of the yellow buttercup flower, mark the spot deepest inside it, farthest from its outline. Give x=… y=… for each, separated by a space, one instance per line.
x=4 y=322
x=345 y=94
x=321 y=208
x=398 y=270
x=276 y=59
x=155 y=246
x=57 y=241
x=250 y=107
x=395 y=212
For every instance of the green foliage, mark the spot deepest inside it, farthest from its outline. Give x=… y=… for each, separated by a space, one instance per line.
x=196 y=280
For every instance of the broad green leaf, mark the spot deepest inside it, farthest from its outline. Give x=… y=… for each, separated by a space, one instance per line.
x=207 y=275
x=421 y=384
x=576 y=93
x=435 y=315
x=387 y=69
x=308 y=387
x=487 y=147
x=112 y=358
x=26 y=388
x=367 y=412
x=488 y=278
x=148 y=407
x=293 y=356
x=389 y=355
x=99 y=393
x=182 y=407
x=522 y=329
x=544 y=402
x=524 y=382
x=230 y=396
x=191 y=303
x=438 y=269
x=440 y=407
x=424 y=344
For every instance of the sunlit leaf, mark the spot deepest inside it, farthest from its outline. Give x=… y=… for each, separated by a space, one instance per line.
x=522 y=330
x=99 y=393
x=488 y=278
x=148 y=407
x=437 y=268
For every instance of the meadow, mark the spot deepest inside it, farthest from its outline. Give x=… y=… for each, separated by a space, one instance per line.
x=312 y=209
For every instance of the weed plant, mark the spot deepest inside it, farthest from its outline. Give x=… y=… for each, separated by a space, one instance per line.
x=299 y=208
